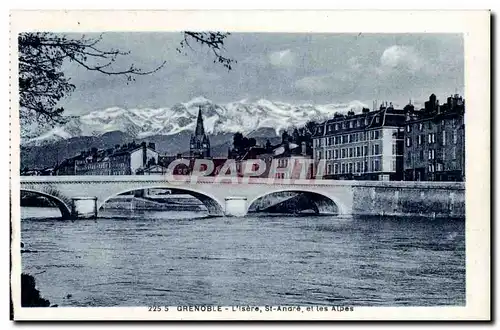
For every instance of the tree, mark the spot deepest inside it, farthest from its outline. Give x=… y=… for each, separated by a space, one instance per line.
x=42 y=82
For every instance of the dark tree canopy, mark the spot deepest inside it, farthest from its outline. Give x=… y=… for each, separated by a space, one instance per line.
x=42 y=82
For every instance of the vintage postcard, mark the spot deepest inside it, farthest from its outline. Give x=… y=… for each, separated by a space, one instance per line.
x=250 y=165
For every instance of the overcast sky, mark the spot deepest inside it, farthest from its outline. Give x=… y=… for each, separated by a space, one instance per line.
x=295 y=68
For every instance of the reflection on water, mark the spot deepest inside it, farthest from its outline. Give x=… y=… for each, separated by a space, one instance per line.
x=185 y=258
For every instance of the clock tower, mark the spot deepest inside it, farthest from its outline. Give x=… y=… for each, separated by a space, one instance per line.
x=200 y=144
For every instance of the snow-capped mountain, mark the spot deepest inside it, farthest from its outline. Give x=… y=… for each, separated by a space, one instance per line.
x=242 y=116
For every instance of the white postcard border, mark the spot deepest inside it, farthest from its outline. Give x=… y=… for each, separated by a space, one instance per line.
x=475 y=26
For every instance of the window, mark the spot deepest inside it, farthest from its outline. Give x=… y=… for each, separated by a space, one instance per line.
x=439 y=167
x=336 y=153
x=376 y=165
x=455 y=137
x=350 y=123
x=350 y=168
x=377 y=119
x=408 y=128
x=419 y=139
x=393 y=165
x=336 y=168
x=358 y=167
x=344 y=124
x=344 y=138
x=377 y=149
x=358 y=122
x=336 y=127
x=365 y=168
x=343 y=168
x=442 y=122
x=408 y=142
x=355 y=123
x=394 y=148
x=366 y=121
x=420 y=126
x=365 y=148
x=454 y=153
x=358 y=151
x=329 y=169
x=429 y=138
x=351 y=138
x=443 y=154
x=350 y=152
x=371 y=135
x=376 y=134
x=329 y=154
x=319 y=154
x=433 y=137
x=431 y=154
x=421 y=155
x=343 y=153
x=444 y=138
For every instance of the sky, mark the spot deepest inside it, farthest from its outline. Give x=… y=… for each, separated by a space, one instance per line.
x=294 y=68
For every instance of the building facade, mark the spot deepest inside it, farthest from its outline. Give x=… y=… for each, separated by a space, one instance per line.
x=127 y=159
x=435 y=141
x=200 y=143
x=364 y=146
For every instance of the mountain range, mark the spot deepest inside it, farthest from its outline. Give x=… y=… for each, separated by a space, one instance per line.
x=170 y=127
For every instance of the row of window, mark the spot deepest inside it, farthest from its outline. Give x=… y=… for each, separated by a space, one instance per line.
x=354 y=123
x=351 y=152
x=348 y=138
x=454 y=122
x=436 y=168
x=431 y=154
x=431 y=138
x=357 y=167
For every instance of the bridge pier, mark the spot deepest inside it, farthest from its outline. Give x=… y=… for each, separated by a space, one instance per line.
x=84 y=207
x=236 y=206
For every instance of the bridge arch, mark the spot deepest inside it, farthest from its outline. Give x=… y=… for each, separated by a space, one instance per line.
x=320 y=202
x=212 y=203
x=60 y=201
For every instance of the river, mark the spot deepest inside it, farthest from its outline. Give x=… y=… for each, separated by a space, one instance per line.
x=127 y=258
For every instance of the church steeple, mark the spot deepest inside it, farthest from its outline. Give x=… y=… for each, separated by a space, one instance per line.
x=200 y=143
x=200 y=130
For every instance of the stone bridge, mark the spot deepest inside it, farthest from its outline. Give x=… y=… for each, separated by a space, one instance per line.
x=83 y=196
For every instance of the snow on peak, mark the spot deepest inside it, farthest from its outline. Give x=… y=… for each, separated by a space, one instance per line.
x=241 y=116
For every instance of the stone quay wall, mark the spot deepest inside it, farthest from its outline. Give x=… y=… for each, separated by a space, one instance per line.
x=403 y=198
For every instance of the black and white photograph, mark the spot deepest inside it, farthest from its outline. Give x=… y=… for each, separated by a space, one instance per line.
x=227 y=174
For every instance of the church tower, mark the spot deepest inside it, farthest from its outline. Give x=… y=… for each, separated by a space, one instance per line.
x=200 y=144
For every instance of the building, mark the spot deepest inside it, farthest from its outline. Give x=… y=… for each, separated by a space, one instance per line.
x=363 y=146
x=127 y=159
x=288 y=158
x=435 y=141
x=200 y=144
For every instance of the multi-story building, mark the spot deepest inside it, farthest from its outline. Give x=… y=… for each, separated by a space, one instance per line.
x=435 y=141
x=200 y=143
x=122 y=160
x=363 y=146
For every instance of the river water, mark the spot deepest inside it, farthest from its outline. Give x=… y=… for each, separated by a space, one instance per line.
x=127 y=258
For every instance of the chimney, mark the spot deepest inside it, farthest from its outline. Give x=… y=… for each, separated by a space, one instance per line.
x=144 y=154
